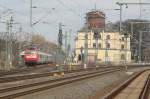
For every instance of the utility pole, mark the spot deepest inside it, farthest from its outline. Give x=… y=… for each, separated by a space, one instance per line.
x=66 y=52
x=96 y=51
x=86 y=49
x=106 y=51
x=69 y=42
x=60 y=36
x=96 y=35
x=140 y=1
x=81 y=50
x=120 y=23
x=60 y=40
x=126 y=50
x=31 y=13
x=86 y=45
x=140 y=41
x=9 y=54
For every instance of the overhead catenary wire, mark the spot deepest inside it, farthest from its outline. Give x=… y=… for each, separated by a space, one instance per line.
x=74 y=1
x=46 y=15
x=70 y=9
x=13 y=10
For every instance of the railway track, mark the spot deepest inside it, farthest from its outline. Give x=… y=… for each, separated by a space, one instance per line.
x=37 y=69
x=24 y=89
x=12 y=78
x=26 y=70
x=50 y=66
x=137 y=87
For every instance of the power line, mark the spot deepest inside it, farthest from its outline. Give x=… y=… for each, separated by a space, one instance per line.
x=13 y=10
x=70 y=9
x=46 y=15
x=74 y=1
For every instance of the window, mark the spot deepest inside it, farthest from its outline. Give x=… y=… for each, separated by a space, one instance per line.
x=76 y=38
x=122 y=47
x=122 y=38
x=99 y=36
x=80 y=57
x=86 y=36
x=94 y=45
x=108 y=45
x=108 y=37
x=96 y=35
x=122 y=57
x=99 y=45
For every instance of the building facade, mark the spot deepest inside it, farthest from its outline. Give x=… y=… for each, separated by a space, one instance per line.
x=95 y=45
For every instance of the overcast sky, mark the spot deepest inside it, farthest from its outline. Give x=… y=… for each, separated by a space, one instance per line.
x=70 y=12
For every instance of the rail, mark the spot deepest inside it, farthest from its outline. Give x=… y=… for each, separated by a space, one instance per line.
x=121 y=87
x=31 y=76
x=145 y=92
x=13 y=92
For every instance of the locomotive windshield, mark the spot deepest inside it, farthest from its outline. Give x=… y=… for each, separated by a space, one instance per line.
x=30 y=52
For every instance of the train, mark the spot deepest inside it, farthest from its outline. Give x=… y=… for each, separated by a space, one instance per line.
x=32 y=57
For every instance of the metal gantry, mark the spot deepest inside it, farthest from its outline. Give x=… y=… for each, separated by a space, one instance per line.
x=126 y=4
x=140 y=37
x=9 y=54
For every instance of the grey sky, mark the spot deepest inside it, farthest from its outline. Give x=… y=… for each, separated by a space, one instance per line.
x=70 y=12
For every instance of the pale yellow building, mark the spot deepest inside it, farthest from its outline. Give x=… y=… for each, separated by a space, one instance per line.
x=110 y=47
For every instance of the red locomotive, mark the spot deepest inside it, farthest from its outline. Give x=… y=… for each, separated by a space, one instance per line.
x=33 y=56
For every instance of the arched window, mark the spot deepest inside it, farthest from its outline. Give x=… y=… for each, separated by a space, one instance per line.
x=122 y=38
x=99 y=45
x=122 y=57
x=96 y=35
x=122 y=47
x=108 y=45
x=94 y=45
x=99 y=36
x=108 y=37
